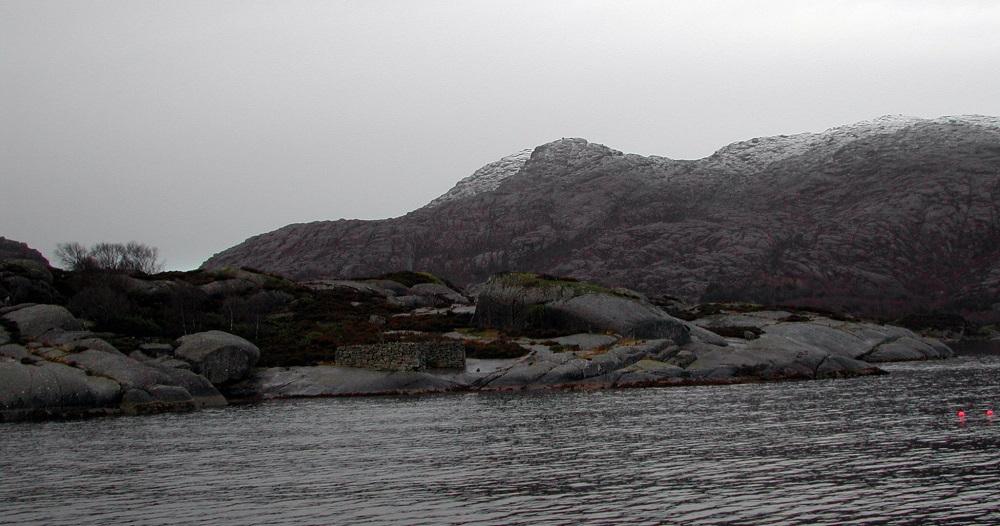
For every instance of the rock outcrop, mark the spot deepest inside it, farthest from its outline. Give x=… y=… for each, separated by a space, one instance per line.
x=24 y=275
x=850 y=339
x=219 y=356
x=61 y=370
x=34 y=321
x=636 y=345
x=521 y=302
x=18 y=251
x=322 y=380
x=880 y=218
x=428 y=294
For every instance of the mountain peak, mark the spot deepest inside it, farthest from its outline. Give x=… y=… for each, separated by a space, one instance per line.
x=870 y=217
x=485 y=179
x=488 y=178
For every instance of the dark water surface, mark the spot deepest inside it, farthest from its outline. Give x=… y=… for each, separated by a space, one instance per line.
x=885 y=450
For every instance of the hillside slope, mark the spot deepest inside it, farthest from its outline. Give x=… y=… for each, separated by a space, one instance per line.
x=881 y=217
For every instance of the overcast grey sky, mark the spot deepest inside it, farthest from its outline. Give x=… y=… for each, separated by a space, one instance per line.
x=191 y=125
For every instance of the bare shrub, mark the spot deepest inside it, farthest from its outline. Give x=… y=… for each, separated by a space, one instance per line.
x=127 y=258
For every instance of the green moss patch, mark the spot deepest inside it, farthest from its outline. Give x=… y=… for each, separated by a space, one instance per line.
x=410 y=278
x=532 y=280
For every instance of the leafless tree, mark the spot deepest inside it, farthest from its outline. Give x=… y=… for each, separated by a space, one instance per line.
x=127 y=258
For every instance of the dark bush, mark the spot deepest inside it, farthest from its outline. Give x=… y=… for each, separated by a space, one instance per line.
x=126 y=258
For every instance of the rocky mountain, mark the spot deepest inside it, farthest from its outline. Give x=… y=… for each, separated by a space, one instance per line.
x=16 y=250
x=882 y=217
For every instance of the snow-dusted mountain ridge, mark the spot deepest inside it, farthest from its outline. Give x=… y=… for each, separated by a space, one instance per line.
x=746 y=156
x=485 y=179
x=879 y=217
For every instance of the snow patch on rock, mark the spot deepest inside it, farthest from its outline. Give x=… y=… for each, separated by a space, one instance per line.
x=485 y=179
x=756 y=154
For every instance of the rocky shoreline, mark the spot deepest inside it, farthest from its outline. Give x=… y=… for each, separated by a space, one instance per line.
x=516 y=332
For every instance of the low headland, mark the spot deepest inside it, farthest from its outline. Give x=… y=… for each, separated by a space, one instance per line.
x=86 y=343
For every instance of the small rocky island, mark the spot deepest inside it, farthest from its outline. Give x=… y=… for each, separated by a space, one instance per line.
x=74 y=345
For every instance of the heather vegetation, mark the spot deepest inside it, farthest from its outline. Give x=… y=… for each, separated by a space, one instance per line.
x=291 y=323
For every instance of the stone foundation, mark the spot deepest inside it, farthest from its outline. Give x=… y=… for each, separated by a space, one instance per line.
x=403 y=356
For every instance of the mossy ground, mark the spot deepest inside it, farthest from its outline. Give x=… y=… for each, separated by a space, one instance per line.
x=532 y=280
x=291 y=324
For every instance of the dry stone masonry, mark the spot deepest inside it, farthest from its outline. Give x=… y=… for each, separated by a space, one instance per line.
x=403 y=356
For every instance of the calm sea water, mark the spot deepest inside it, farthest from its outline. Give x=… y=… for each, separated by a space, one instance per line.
x=885 y=450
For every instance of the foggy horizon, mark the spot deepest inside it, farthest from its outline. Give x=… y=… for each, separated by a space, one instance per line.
x=192 y=126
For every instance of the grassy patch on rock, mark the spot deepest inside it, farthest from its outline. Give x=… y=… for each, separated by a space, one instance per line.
x=532 y=280
x=409 y=278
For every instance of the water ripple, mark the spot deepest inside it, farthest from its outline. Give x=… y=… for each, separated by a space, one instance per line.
x=885 y=450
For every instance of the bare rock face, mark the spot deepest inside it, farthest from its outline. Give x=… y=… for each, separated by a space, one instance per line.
x=64 y=372
x=36 y=320
x=16 y=250
x=850 y=340
x=878 y=218
x=24 y=275
x=52 y=388
x=219 y=356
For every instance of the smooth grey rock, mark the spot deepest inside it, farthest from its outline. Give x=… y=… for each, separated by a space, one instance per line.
x=11 y=308
x=122 y=369
x=171 y=394
x=544 y=368
x=219 y=356
x=52 y=389
x=650 y=372
x=135 y=397
x=628 y=317
x=165 y=361
x=521 y=375
x=683 y=358
x=58 y=338
x=285 y=382
x=133 y=373
x=943 y=351
x=871 y=333
x=140 y=356
x=769 y=357
x=568 y=372
x=203 y=393
x=173 y=363
x=624 y=355
x=412 y=301
x=157 y=399
x=388 y=287
x=832 y=340
x=445 y=294
x=49 y=353
x=96 y=344
x=34 y=321
x=837 y=366
x=735 y=320
x=902 y=349
x=702 y=335
x=586 y=341
x=14 y=351
x=157 y=349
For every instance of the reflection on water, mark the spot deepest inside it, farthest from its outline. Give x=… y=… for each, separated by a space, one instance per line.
x=888 y=450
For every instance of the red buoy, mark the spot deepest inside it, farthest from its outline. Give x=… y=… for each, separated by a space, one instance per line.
x=989 y=412
x=961 y=413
